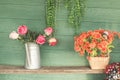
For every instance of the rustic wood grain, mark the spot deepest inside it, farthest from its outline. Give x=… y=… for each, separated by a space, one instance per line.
x=48 y=69
x=99 y=14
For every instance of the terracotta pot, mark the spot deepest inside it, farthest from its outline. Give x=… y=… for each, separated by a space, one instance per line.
x=98 y=62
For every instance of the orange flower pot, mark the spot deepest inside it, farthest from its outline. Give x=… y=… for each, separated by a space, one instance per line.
x=98 y=62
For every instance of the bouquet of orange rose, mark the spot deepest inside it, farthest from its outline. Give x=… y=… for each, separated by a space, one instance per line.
x=25 y=35
x=95 y=43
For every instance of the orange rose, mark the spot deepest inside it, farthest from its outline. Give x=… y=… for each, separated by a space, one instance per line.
x=89 y=33
x=96 y=35
x=94 y=41
x=83 y=35
x=92 y=45
x=81 y=52
x=119 y=35
x=104 y=50
x=86 y=45
x=76 y=47
x=88 y=51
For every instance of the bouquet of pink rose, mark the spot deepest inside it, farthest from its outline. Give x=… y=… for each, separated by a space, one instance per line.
x=25 y=35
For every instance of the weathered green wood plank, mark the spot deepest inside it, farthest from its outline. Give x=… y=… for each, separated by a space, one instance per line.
x=22 y=11
x=90 y=3
x=8 y=25
x=114 y=57
x=95 y=15
x=101 y=4
x=104 y=4
x=63 y=58
x=85 y=26
x=102 y=15
x=52 y=77
x=22 y=2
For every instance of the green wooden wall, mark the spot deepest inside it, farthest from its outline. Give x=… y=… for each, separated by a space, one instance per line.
x=99 y=14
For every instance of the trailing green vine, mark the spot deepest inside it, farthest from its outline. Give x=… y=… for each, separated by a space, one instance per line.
x=50 y=13
x=76 y=9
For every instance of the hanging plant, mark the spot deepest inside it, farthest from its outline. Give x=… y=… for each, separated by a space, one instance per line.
x=76 y=9
x=50 y=13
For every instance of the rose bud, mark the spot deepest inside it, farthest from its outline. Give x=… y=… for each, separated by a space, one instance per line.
x=22 y=30
x=52 y=42
x=48 y=31
x=13 y=35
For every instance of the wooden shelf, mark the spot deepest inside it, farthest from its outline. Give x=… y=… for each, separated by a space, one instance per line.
x=48 y=70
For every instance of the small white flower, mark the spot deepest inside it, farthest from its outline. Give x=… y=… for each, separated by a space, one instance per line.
x=105 y=32
x=13 y=35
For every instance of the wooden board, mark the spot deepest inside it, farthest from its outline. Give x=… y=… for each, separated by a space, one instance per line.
x=48 y=70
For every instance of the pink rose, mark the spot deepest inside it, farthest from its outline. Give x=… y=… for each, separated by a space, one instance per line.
x=48 y=31
x=13 y=35
x=52 y=42
x=22 y=30
x=40 y=40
